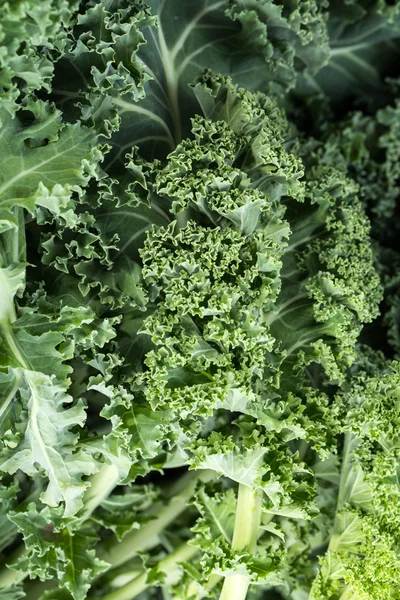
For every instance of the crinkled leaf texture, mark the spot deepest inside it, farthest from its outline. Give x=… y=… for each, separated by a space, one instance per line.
x=43 y=439
x=184 y=277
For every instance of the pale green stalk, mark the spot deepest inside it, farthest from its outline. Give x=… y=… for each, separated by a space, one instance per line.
x=348 y=449
x=346 y=594
x=137 y=541
x=9 y=577
x=147 y=537
x=207 y=587
x=335 y=541
x=169 y=566
x=245 y=535
x=101 y=486
x=13 y=345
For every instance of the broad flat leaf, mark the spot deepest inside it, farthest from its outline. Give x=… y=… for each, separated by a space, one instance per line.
x=364 y=40
x=44 y=153
x=348 y=531
x=242 y=38
x=328 y=469
x=131 y=223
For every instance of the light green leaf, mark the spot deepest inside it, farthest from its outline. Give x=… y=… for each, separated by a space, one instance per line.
x=217 y=517
x=245 y=467
x=54 y=551
x=45 y=441
x=14 y=592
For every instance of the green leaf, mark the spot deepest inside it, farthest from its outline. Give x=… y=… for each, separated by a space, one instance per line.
x=217 y=517
x=8 y=501
x=122 y=513
x=364 y=48
x=41 y=438
x=245 y=467
x=42 y=158
x=243 y=39
x=54 y=551
x=32 y=35
x=14 y=592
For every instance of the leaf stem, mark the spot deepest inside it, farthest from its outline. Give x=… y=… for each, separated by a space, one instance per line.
x=101 y=486
x=235 y=587
x=13 y=345
x=245 y=535
x=147 y=537
x=137 y=541
x=172 y=80
x=350 y=443
x=182 y=219
x=8 y=576
x=169 y=565
x=348 y=449
x=346 y=594
x=206 y=587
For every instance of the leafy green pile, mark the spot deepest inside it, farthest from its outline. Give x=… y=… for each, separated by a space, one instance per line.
x=199 y=300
